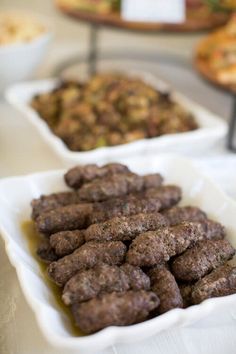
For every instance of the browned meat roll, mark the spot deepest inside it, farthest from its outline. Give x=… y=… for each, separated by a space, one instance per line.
x=176 y=215
x=152 y=200
x=116 y=185
x=70 y=217
x=53 y=201
x=202 y=259
x=110 y=187
x=85 y=257
x=125 y=228
x=88 y=284
x=65 y=242
x=79 y=175
x=115 y=309
x=153 y=180
x=156 y=247
x=167 y=195
x=124 y=206
x=163 y=284
x=213 y=230
x=220 y=282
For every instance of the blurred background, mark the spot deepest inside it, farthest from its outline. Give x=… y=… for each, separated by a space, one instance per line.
x=171 y=53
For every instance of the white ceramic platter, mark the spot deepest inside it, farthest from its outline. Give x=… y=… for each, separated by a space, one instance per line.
x=211 y=127
x=15 y=196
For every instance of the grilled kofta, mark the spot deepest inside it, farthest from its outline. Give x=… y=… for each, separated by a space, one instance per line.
x=220 y=282
x=202 y=259
x=125 y=228
x=79 y=175
x=114 y=309
x=85 y=257
x=164 y=285
x=87 y=284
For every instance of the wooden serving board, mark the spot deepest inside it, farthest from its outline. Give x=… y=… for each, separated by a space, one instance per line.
x=202 y=67
x=197 y=20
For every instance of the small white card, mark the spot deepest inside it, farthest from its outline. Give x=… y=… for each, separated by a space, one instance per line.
x=164 y=11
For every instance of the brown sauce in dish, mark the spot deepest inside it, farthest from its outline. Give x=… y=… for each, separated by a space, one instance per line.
x=33 y=239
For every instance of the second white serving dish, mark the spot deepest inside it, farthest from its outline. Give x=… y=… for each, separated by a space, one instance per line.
x=211 y=127
x=20 y=60
x=15 y=196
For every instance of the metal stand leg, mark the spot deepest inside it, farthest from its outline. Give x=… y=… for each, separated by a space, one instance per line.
x=231 y=143
x=93 y=50
x=91 y=57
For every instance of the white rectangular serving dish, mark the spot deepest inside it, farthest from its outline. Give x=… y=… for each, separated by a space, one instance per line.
x=211 y=127
x=16 y=194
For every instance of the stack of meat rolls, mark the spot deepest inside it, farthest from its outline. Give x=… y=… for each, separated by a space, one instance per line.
x=123 y=251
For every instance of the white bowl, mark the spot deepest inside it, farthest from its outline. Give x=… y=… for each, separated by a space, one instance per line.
x=15 y=196
x=211 y=127
x=20 y=60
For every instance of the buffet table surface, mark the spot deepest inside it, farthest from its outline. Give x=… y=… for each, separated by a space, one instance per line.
x=23 y=151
